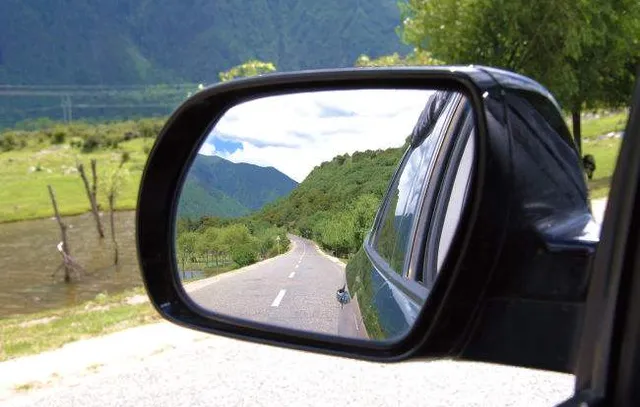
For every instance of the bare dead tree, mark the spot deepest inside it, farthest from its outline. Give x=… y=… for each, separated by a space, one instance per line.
x=92 y=195
x=115 y=183
x=112 y=198
x=94 y=185
x=69 y=265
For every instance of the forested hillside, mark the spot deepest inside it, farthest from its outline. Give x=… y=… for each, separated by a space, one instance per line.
x=336 y=203
x=136 y=42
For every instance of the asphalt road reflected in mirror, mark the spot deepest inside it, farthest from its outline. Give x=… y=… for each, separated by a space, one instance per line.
x=296 y=290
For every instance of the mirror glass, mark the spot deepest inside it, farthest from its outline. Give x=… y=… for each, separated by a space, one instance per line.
x=312 y=211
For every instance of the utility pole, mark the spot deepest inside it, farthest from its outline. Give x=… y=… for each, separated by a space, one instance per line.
x=65 y=103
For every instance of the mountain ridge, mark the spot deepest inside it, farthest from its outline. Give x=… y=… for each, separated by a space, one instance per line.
x=217 y=187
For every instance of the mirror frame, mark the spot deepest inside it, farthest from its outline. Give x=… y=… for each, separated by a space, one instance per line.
x=449 y=311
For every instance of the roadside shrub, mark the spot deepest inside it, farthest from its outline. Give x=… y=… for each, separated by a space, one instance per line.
x=76 y=142
x=59 y=137
x=8 y=142
x=129 y=136
x=111 y=143
x=124 y=157
x=243 y=255
x=91 y=143
x=148 y=128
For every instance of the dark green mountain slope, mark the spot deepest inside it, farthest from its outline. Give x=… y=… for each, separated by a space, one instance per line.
x=144 y=41
x=338 y=198
x=196 y=201
x=217 y=187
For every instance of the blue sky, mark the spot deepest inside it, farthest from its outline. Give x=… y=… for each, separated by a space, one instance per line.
x=296 y=132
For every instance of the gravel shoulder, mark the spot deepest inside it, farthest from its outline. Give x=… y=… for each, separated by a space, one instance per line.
x=166 y=365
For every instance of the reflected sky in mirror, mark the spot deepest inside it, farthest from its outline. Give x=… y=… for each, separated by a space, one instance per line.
x=314 y=127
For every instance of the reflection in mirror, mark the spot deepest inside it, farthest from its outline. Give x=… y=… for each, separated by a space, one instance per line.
x=302 y=210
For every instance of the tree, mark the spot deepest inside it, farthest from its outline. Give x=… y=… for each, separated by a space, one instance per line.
x=587 y=58
x=186 y=245
x=209 y=244
x=418 y=57
x=252 y=67
x=364 y=211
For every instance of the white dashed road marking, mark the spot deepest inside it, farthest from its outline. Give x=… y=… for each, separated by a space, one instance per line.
x=279 y=297
x=293 y=273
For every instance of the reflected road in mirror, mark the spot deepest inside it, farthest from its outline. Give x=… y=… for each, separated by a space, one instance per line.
x=294 y=290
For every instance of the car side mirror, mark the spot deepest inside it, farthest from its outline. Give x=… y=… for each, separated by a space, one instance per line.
x=381 y=214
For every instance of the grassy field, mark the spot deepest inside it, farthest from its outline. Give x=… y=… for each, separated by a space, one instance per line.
x=25 y=171
x=605 y=150
x=31 y=334
x=606 y=154
x=598 y=126
x=25 y=174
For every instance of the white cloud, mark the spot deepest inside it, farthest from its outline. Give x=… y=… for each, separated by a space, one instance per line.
x=207 y=149
x=296 y=132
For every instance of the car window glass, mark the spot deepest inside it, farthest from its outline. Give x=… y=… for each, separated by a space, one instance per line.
x=456 y=200
x=404 y=199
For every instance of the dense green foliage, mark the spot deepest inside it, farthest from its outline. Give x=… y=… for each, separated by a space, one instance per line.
x=142 y=42
x=134 y=41
x=416 y=58
x=250 y=68
x=213 y=245
x=220 y=188
x=82 y=135
x=585 y=52
x=196 y=201
x=336 y=203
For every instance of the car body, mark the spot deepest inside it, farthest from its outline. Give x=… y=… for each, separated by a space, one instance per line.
x=556 y=234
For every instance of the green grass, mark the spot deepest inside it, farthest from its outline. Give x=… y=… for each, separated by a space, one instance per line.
x=605 y=151
x=24 y=192
x=592 y=128
x=606 y=155
x=26 y=335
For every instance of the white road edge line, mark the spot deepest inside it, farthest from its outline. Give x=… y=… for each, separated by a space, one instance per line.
x=293 y=273
x=279 y=297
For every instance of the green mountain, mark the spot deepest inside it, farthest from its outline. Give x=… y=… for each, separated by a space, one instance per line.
x=217 y=187
x=142 y=41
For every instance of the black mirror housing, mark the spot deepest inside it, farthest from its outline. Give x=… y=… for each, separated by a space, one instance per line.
x=513 y=286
